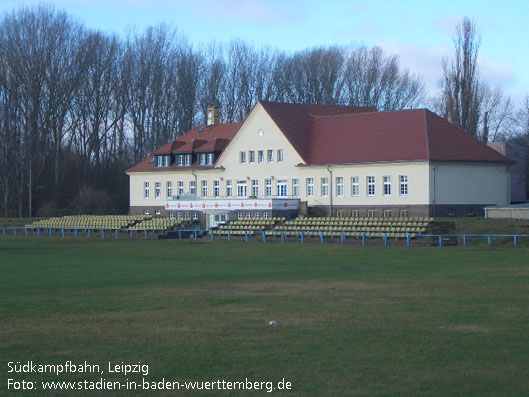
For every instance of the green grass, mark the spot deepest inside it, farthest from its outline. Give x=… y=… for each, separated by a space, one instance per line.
x=351 y=321
x=477 y=225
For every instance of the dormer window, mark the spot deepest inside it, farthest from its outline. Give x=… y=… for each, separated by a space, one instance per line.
x=202 y=159
x=210 y=159
x=159 y=161
x=187 y=160
x=166 y=161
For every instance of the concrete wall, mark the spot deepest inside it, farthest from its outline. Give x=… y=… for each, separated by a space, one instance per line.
x=517 y=170
x=469 y=183
x=507 y=213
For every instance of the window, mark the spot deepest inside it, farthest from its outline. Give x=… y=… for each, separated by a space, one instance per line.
x=195 y=216
x=242 y=157
x=146 y=212
x=265 y=215
x=268 y=187
x=216 y=188
x=451 y=212
x=260 y=156
x=270 y=156
x=248 y=215
x=295 y=187
x=282 y=188
x=181 y=160
x=370 y=213
x=186 y=215
x=179 y=215
x=324 y=187
x=169 y=189
x=167 y=161
x=403 y=213
x=355 y=186
x=187 y=160
x=180 y=188
x=228 y=188
x=146 y=189
x=251 y=154
x=204 y=185
x=157 y=190
x=241 y=188
x=339 y=186
x=240 y=215
x=210 y=159
x=171 y=215
x=403 y=185
x=193 y=187
x=310 y=187
x=157 y=212
x=279 y=155
x=202 y=159
x=387 y=186
x=355 y=213
x=470 y=212
x=387 y=214
x=255 y=187
x=339 y=213
x=159 y=161
x=370 y=185
x=256 y=215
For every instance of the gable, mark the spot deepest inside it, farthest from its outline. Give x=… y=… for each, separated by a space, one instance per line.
x=248 y=138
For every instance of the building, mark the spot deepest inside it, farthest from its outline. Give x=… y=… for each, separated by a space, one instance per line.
x=517 y=170
x=328 y=160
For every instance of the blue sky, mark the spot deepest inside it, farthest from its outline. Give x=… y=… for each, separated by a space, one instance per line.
x=420 y=32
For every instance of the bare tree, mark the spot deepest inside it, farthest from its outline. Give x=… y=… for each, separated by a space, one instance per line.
x=374 y=79
x=465 y=100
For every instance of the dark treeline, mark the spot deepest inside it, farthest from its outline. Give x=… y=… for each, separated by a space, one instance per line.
x=78 y=107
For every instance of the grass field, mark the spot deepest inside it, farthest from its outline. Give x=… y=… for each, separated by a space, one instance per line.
x=350 y=321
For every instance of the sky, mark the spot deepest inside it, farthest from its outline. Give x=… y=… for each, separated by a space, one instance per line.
x=419 y=32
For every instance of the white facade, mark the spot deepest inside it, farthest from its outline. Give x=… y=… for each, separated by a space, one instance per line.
x=260 y=159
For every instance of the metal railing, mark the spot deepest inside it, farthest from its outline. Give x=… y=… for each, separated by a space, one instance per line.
x=440 y=240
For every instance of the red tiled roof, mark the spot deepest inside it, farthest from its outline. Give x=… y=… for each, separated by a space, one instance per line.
x=295 y=120
x=201 y=138
x=342 y=134
x=334 y=135
x=216 y=145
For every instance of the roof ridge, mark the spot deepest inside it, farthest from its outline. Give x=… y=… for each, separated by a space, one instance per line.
x=312 y=104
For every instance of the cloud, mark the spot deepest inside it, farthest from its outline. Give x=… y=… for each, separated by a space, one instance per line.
x=426 y=61
x=447 y=24
x=247 y=10
x=496 y=73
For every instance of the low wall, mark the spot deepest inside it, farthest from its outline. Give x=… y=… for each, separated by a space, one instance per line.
x=507 y=213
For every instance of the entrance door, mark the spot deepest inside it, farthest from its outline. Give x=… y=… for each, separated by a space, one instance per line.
x=217 y=219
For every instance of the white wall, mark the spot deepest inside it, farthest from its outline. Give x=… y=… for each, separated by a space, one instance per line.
x=470 y=183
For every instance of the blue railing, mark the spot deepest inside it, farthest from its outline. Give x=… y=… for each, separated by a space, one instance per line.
x=437 y=239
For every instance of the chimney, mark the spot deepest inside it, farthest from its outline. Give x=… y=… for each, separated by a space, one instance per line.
x=212 y=116
x=485 y=135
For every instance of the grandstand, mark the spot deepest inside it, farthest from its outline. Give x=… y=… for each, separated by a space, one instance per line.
x=108 y=222
x=390 y=227
x=249 y=226
x=329 y=226
x=159 y=224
